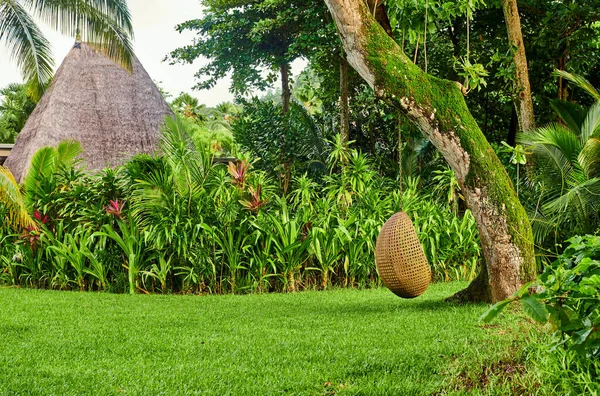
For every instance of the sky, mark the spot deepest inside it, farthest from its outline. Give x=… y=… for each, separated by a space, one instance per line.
x=154 y=24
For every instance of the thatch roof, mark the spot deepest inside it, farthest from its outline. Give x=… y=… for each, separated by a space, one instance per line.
x=114 y=114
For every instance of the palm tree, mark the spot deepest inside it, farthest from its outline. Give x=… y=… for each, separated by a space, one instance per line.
x=189 y=107
x=566 y=161
x=105 y=23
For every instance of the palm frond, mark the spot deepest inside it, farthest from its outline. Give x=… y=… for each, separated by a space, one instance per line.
x=27 y=45
x=553 y=135
x=42 y=166
x=555 y=149
x=190 y=164
x=104 y=23
x=106 y=35
x=542 y=227
x=591 y=124
x=571 y=113
x=67 y=151
x=581 y=200
x=580 y=81
x=64 y=15
x=589 y=158
x=12 y=200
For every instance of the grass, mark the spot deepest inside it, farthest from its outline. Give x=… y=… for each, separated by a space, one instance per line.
x=313 y=343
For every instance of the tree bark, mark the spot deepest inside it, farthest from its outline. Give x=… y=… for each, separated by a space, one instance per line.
x=344 y=106
x=286 y=93
x=438 y=109
x=523 y=101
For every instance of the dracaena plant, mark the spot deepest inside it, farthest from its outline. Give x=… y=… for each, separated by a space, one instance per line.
x=127 y=237
x=239 y=173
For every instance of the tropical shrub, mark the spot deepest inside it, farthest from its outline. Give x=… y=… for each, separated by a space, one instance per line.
x=280 y=141
x=180 y=223
x=567 y=295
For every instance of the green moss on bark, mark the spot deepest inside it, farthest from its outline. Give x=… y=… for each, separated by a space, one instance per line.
x=397 y=77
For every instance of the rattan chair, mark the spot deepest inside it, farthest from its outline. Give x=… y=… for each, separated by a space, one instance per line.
x=400 y=259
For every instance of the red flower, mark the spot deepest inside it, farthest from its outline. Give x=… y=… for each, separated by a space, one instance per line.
x=38 y=216
x=115 y=207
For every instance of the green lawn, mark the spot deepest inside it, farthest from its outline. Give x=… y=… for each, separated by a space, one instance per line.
x=334 y=342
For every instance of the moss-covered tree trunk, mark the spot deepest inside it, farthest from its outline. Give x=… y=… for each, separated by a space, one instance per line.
x=438 y=108
x=523 y=101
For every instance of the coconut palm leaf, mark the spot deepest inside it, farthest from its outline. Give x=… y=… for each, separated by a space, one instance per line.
x=579 y=203
x=107 y=36
x=589 y=158
x=67 y=151
x=580 y=81
x=104 y=23
x=12 y=200
x=68 y=12
x=591 y=125
x=27 y=45
x=555 y=149
x=42 y=166
x=571 y=113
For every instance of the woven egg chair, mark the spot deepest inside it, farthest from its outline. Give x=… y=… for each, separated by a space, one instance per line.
x=400 y=259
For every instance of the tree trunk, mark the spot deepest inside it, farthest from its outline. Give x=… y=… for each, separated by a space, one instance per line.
x=344 y=107
x=523 y=102
x=438 y=109
x=286 y=93
x=562 y=83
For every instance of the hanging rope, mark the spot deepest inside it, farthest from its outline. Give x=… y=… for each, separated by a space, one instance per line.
x=416 y=49
x=425 y=33
x=375 y=8
x=468 y=32
x=400 y=160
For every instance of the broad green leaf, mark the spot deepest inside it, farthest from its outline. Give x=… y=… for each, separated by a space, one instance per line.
x=579 y=337
x=493 y=311
x=534 y=309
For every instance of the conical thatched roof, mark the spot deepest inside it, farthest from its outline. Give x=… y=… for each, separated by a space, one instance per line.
x=114 y=114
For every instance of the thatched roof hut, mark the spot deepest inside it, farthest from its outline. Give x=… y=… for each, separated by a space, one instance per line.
x=114 y=114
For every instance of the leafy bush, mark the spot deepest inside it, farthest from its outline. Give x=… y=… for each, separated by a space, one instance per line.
x=179 y=223
x=276 y=139
x=567 y=295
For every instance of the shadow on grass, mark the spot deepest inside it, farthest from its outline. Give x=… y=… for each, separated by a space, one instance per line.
x=385 y=307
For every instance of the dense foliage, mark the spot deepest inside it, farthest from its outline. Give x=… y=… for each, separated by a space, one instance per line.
x=179 y=223
x=567 y=296
x=15 y=107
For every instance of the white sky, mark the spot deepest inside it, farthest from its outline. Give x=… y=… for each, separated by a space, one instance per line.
x=155 y=36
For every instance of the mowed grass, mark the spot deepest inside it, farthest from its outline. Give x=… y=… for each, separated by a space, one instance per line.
x=313 y=343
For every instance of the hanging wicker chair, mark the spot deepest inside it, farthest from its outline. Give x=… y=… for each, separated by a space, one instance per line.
x=400 y=259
